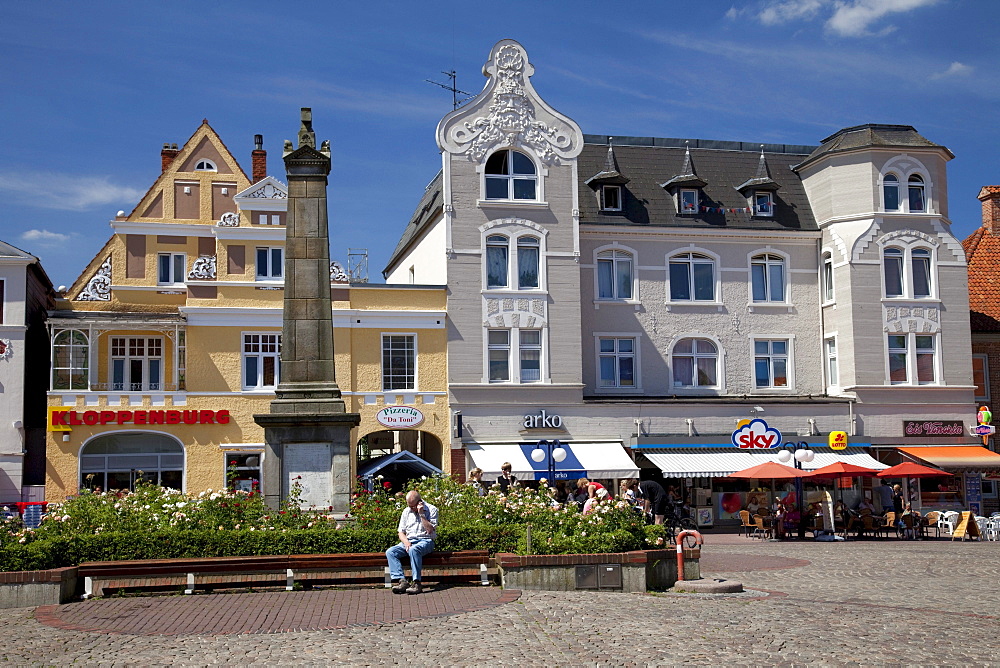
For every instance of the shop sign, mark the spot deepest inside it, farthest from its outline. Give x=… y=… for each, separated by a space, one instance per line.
x=399 y=417
x=755 y=435
x=61 y=419
x=983 y=430
x=838 y=440
x=984 y=416
x=939 y=428
x=543 y=421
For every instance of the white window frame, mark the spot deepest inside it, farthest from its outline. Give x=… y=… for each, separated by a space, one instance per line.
x=903 y=167
x=387 y=336
x=260 y=355
x=831 y=364
x=636 y=338
x=885 y=183
x=71 y=346
x=173 y=259
x=510 y=178
x=912 y=357
x=921 y=186
x=771 y=356
x=695 y=356
x=268 y=219
x=906 y=260
x=514 y=238
x=147 y=384
x=772 y=258
x=690 y=257
x=211 y=166
x=693 y=192
x=626 y=255
x=259 y=468
x=605 y=190
x=269 y=273
x=492 y=241
x=826 y=281
x=515 y=360
x=755 y=204
x=985 y=359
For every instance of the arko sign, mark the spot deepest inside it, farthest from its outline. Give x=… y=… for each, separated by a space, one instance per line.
x=756 y=435
x=399 y=417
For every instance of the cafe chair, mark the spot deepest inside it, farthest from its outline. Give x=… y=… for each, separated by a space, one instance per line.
x=890 y=525
x=946 y=522
x=931 y=523
x=747 y=525
x=761 y=530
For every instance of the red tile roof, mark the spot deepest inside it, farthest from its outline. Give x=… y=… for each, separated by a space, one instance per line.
x=982 y=249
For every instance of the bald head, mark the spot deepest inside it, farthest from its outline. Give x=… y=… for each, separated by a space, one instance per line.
x=412 y=499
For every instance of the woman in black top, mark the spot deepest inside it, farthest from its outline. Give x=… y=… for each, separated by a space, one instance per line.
x=506 y=480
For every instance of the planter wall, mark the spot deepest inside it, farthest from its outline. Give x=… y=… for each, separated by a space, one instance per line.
x=640 y=571
x=25 y=589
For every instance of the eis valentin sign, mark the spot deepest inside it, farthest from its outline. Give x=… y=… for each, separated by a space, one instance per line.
x=756 y=435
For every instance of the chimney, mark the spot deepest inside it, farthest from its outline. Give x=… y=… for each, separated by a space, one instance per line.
x=167 y=155
x=259 y=159
x=990 y=197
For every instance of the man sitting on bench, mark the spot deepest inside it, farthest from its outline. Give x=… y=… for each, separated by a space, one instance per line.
x=417 y=529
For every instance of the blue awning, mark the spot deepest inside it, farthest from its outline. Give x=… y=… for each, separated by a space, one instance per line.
x=583 y=460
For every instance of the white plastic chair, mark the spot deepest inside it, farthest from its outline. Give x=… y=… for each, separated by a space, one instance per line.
x=983 y=525
x=993 y=528
x=947 y=522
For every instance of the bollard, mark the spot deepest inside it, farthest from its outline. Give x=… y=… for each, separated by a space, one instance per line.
x=680 y=549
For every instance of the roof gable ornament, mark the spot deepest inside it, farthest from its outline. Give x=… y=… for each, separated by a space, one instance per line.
x=687 y=178
x=98 y=288
x=509 y=113
x=762 y=179
x=610 y=175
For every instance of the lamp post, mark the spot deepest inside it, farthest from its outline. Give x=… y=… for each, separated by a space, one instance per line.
x=552 y=451
x=801 y=453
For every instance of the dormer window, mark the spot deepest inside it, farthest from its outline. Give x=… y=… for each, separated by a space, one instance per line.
x=915 y=187
x=510 y=175
x=205 y=165
x=763 y=203
x=687 y=201
x=611 y=198
x=890 y=192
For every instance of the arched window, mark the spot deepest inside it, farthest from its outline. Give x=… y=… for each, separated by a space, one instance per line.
x=915 y=187
x=205 y=165
x=527 y=262
x=692 y=277
x=510 y=175
x=695 y=363
x=70 y=353
x=920 y=261
x=614 y=274
x=890 y=192
x=496 y=261
x=827 y=277
x=892 y=267
x=119 y=461
x=767 y=278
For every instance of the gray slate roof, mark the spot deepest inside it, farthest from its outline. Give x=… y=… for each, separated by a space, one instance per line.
x=723 y=165
x=6 y=250
x=427 y=211
x=872 y=135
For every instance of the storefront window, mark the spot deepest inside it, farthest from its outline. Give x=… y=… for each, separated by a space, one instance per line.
x=242 y=471
x=120 y=461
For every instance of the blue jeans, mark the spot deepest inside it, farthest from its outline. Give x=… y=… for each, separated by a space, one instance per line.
x=418 y=548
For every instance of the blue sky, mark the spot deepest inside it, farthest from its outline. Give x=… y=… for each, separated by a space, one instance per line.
x=92 y=90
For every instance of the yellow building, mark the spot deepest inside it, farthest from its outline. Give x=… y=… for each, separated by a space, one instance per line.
x=168 y=343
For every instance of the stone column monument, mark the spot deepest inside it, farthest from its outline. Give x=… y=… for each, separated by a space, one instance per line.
x=307 y=432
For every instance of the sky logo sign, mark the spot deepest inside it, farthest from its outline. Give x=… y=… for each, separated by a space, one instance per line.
x=755 y=435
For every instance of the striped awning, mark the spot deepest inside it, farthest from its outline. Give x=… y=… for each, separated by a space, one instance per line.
x=603 y=461
x=699 y=463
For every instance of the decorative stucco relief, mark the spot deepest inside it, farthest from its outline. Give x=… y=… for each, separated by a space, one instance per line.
x=509 y=113
x=337 y=273
x=507 y=312
x=269 y=190
x=203 y=268
x=920 y=319
x=229 y=219
x=98 y=288
x=6 y=349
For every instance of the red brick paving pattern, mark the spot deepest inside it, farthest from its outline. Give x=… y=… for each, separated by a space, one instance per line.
x=268 y=612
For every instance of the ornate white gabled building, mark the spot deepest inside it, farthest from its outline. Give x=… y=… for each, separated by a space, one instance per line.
x=637 y=298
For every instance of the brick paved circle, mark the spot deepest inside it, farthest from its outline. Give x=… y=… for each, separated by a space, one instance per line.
x=268 y=612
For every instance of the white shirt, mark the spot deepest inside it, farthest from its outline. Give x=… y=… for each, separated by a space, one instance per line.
x=410 y=524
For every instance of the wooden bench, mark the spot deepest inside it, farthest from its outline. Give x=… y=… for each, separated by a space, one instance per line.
x=463 y=563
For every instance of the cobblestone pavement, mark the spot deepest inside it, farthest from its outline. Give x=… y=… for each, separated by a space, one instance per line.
x=864 y=603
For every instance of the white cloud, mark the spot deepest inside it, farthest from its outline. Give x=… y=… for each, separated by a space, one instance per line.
x=65 y=192
x=44 y=237
x=853 y=18
x=956 y=69
x=790 y=10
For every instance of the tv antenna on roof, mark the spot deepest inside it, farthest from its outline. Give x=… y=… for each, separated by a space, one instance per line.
x=454 y=91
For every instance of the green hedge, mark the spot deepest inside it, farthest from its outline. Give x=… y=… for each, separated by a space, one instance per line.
x=72 y=550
